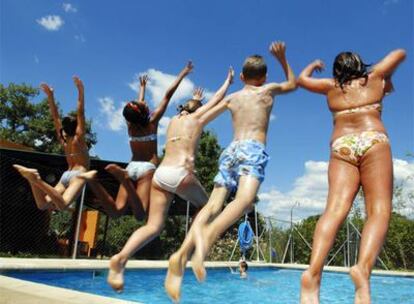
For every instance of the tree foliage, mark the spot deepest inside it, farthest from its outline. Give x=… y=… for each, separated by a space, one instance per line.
x=28 y=123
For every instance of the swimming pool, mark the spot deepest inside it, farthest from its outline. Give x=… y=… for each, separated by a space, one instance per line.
x=264 y=285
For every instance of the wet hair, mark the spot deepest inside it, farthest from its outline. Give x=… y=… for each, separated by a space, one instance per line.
x=348 y=66
x=190 y=106
x=244 y=265
x=254 y=67
x=136 y=113
x=69 y=124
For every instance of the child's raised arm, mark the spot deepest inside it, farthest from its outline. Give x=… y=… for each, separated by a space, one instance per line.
x=142 y=85
x=389 y=63
x=278 y=50
x=160 y=110
x=219 y=104
x=81 y=125
x=321 y=85
x=219 y=95
x=53 y=109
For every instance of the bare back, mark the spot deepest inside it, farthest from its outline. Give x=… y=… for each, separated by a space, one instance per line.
x=76 y=152
x=144 y=150
x=183 y=135
x=358 y=93
x=250 y=109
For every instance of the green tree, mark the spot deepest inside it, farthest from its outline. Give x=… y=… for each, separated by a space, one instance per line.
x=173 y=234
x=207 y=157
x=28 y=123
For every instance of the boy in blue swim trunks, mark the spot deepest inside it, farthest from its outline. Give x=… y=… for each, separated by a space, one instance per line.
x=241 y=167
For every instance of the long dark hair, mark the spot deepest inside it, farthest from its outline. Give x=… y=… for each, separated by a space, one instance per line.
x=348 y=66
x=136 y=113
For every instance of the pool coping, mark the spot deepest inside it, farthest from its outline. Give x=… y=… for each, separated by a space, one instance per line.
x=13 y=290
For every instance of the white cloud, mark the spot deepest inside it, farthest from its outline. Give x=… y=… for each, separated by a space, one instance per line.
x=69 y=8
x=113 y=115
x=163 y=125
x=80 y=38
x=51 y=22
x=311 y=190
x=159 y=82
x=388 y=2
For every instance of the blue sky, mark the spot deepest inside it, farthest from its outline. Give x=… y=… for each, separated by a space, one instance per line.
x=108 y=43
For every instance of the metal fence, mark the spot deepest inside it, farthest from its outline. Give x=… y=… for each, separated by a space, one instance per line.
x=26 y=231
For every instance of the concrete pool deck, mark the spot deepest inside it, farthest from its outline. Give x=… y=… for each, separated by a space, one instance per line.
x=22 y=292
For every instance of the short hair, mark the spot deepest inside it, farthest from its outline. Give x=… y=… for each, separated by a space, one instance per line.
x=254 y=67
x=244 y=265
x=136 y=113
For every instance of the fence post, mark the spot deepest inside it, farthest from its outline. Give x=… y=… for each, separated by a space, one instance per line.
x=257 y=233
x=270 y=241
x=187 y=215
x=347 y=241
x=75 y=245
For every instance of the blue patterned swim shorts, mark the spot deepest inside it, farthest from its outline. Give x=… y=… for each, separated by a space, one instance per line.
x=244 y=157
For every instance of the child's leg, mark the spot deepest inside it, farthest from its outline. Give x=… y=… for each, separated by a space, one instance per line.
x=191 y=190
x=55 y=194
x=43 y=202
x=160 y=202
x=113 y=208
x=179 y=259
x=343 y=186
x=377 y=182
x=205 y=236
x=142 y=192
x=134 y=194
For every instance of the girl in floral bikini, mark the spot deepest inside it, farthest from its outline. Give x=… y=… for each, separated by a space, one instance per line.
x=360 y=155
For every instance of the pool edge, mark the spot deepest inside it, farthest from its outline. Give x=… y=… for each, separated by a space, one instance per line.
x=25 y=292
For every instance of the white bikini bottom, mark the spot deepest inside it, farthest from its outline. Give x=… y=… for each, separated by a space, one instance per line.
x=170 y=177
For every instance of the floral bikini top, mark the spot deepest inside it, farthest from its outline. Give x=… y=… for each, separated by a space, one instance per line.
x=374 y=106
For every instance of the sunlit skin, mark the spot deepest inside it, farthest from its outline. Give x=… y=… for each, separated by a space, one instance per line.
x=250 y=109
x=182 y=139
x=374 y=174
x=76 y=152
x=135 y=195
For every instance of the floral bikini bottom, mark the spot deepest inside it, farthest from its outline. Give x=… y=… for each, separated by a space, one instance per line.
x=352 y=147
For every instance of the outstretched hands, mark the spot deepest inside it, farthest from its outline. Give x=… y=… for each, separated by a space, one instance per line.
x=78 y=83
x=188 y=68
x=278 y=49
x=230 y=75
x=198 y=94
x=143 y=80
x=318 y=65
x=47 y=89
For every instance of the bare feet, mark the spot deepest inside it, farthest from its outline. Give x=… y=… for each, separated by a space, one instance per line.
x=174 y=278
x=119 y=173
x=197 y=261
x=89 y=175
x=309 y=292
x=116 y=273
x=30 y=174
x=361 y=282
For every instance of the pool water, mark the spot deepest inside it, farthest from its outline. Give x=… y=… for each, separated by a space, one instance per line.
x=268 y=285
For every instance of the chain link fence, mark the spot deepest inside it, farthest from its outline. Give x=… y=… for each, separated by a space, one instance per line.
x=26 y=231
